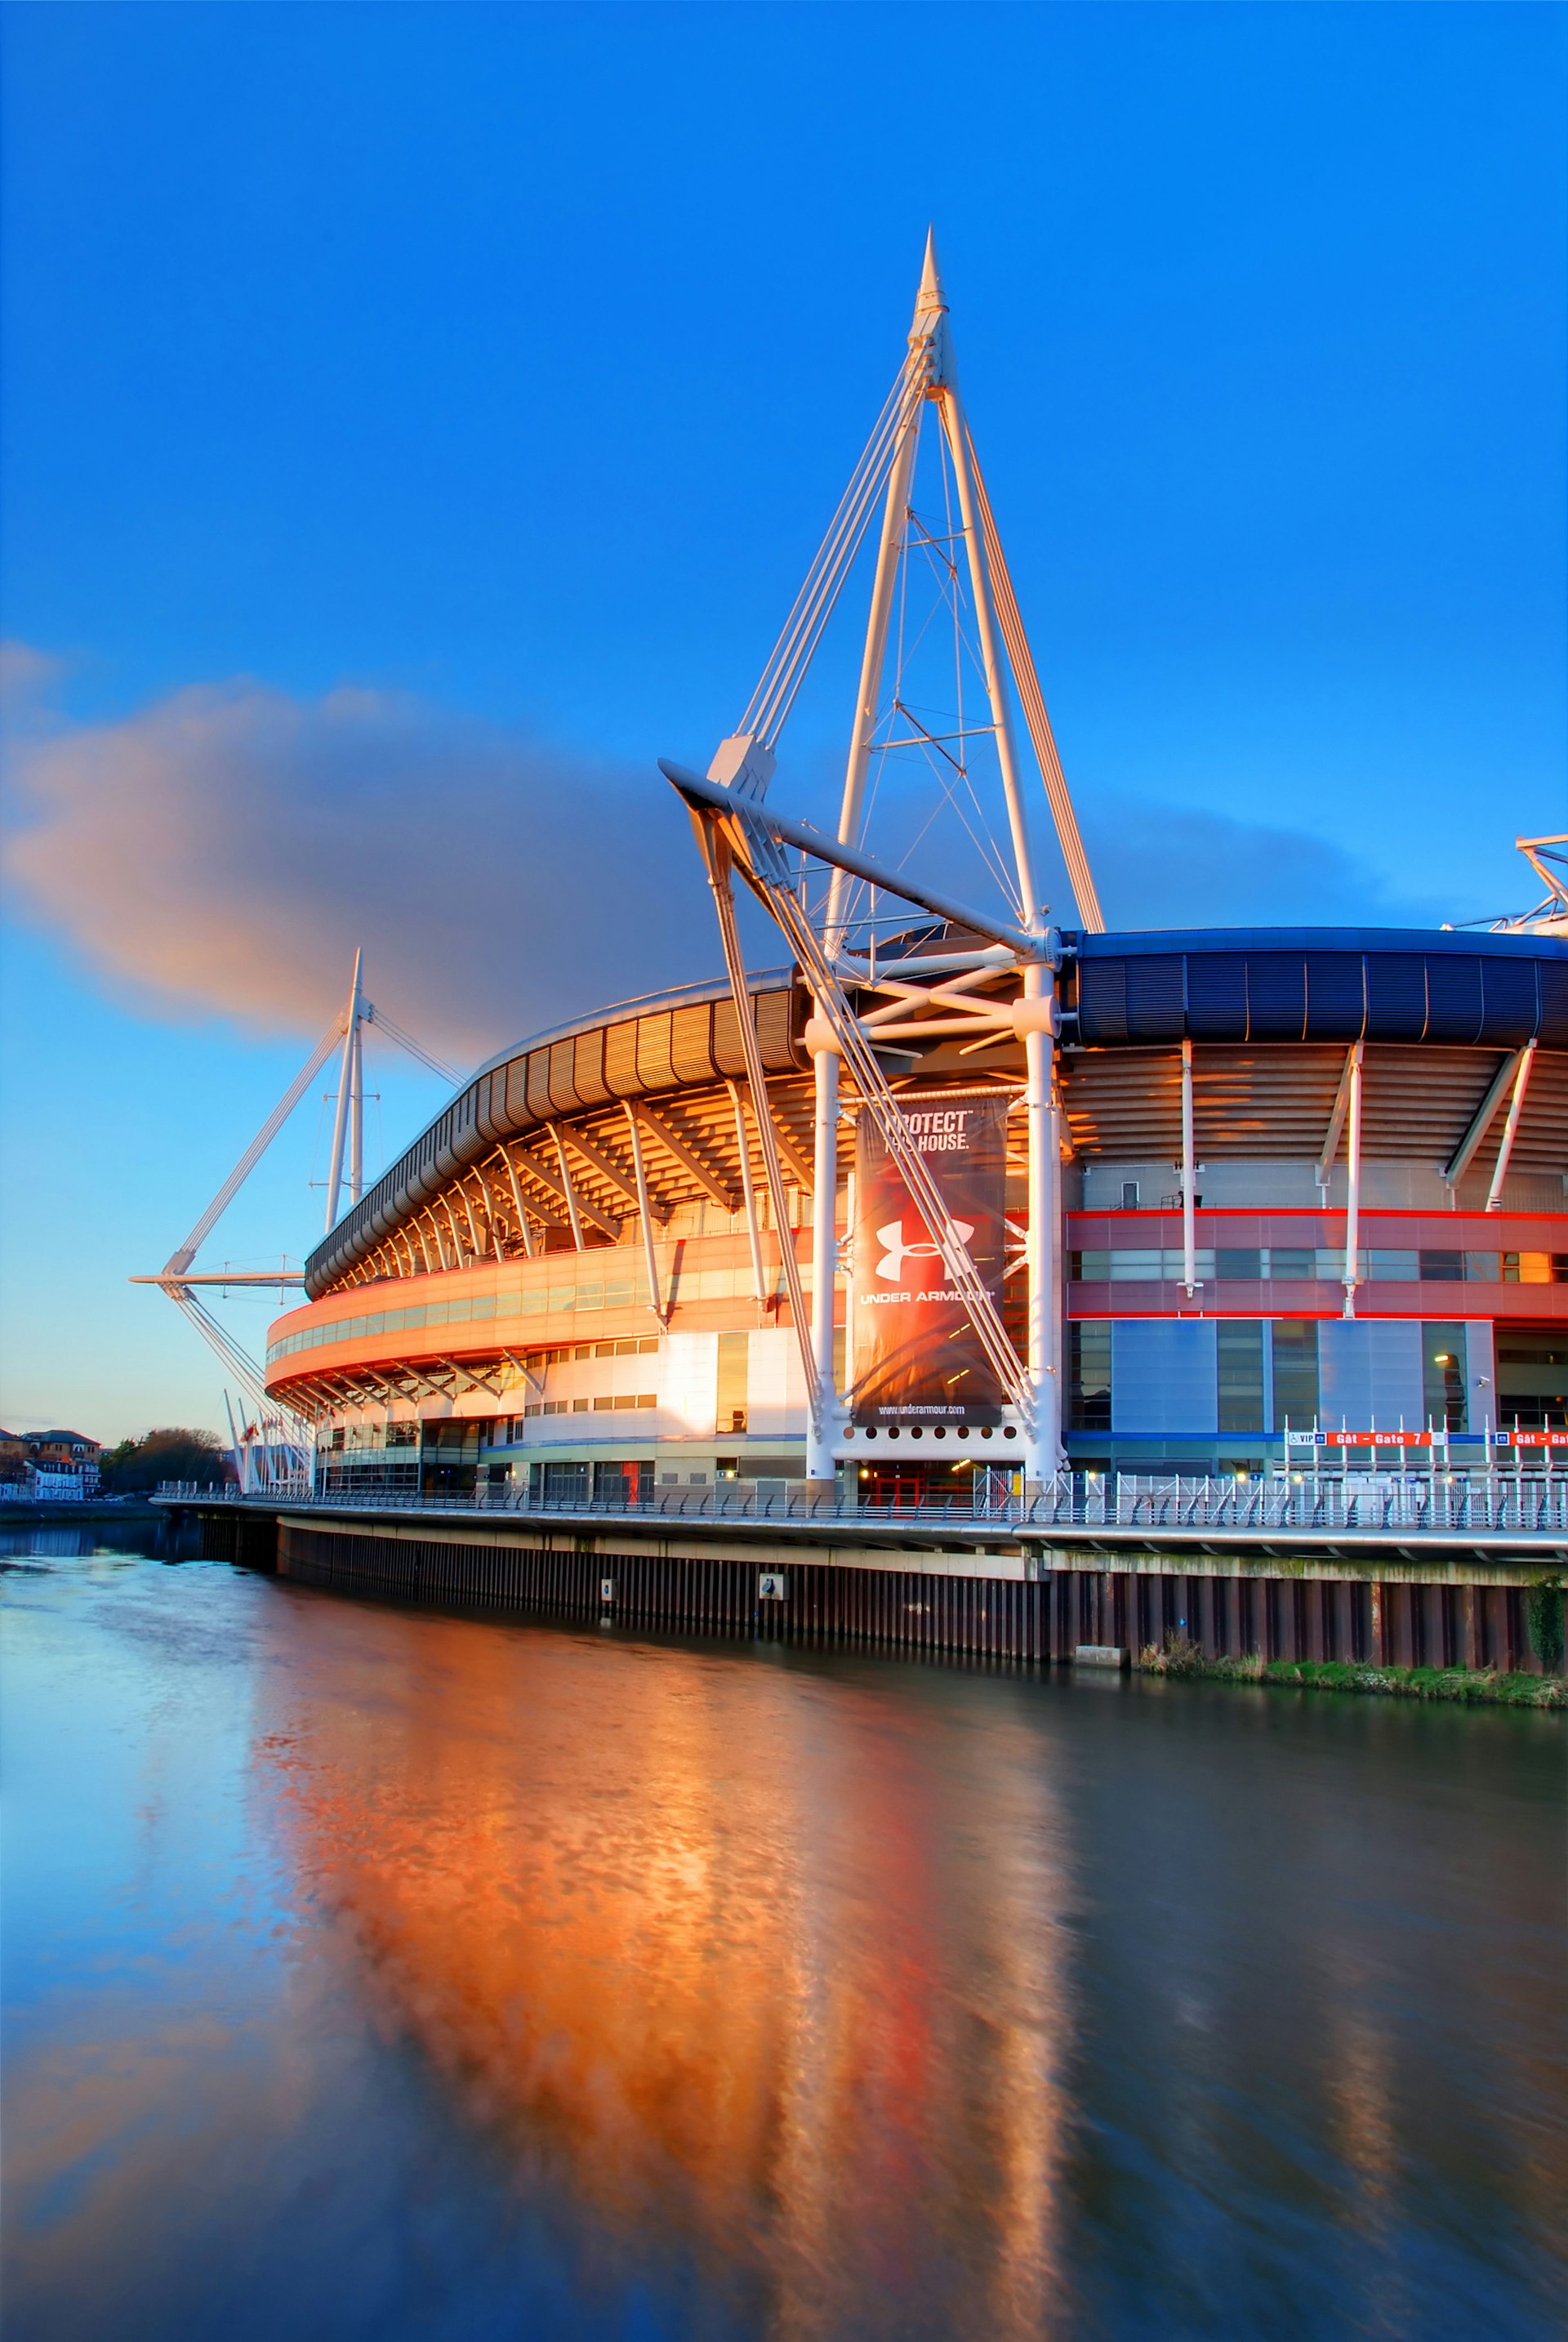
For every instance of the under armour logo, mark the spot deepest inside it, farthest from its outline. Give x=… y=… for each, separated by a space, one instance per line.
x=895 y=1252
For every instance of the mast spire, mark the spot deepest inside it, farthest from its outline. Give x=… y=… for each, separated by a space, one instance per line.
x=931 y=295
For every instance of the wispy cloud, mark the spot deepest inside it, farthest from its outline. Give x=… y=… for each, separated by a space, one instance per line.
x=25 y=674
x=1165 y=865
x=225 y=850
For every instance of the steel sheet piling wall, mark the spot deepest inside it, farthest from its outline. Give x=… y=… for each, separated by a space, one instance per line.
x=912 y=1610
x=1031 y=1620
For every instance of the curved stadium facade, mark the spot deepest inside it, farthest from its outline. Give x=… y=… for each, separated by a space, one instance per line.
x=573 y=1282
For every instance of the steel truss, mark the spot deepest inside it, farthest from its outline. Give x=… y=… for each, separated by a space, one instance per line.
x=737 y=831
x=294 y=1421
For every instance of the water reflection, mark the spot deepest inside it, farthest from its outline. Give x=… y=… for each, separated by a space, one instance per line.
x=774 y=1959
x=385 y=1973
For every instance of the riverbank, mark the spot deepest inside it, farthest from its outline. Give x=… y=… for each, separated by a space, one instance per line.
x=1488 y=1686
x=137 y=1512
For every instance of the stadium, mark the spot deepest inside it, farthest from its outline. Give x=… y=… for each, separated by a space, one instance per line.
x=1207 y=1202
x=573 y=1277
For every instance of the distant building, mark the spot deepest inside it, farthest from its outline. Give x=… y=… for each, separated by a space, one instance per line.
x=57 y=1458
x=50 y=1486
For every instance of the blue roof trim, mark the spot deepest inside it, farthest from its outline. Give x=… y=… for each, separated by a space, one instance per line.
x=1142 y=945
x=1319 y=984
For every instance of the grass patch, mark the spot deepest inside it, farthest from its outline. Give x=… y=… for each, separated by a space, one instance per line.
x=1182 y=1656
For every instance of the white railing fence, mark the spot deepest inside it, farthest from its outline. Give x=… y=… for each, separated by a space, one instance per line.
x=1416 y=1505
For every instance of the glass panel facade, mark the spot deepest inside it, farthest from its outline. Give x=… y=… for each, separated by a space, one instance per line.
x=1240 y=1362
x=1089 y=1354
x=1443 y=1379
x=1532 y=1377
x=1162 y=1375
x=1370 y=1372
x=1307 y=1264
x=1295 y=1372
x=732 y=1382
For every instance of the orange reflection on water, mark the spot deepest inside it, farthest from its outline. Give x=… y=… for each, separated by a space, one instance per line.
x=765 y=1956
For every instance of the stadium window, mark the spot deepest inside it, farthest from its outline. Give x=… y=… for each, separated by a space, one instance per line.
x=731 y=1396
x=1295 y=1372
x=1532 y=1375
x=1240 y=1343
x=1535 y=1268
x=1089 y=1349
x=1443 y=1375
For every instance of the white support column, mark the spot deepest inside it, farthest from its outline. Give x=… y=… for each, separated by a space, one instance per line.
x=650 y=1257
x=749 y=1192
x=1058 y=1269
x=1036 y=1015
x=988 y=637
x=356 y=1117
x=1352 y=1184
x=344 y=1089
x=1189 y=1202
x=873 y=657
x=929 y=310
x=1510 y=1127
x=824 y=1428
x=525 y=1232
x=570 y=1192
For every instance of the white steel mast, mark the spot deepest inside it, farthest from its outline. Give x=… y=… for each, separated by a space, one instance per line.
x=349 y=1104
x=738 y=834
x=176 y=1278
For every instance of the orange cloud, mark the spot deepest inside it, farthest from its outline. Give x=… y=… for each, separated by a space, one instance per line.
x=225 y=850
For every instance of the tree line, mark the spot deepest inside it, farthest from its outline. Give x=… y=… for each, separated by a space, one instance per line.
x=173 y=1452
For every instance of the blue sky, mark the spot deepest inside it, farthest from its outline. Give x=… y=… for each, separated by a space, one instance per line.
x=430 y=412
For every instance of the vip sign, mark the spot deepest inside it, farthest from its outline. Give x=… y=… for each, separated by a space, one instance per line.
x=917 y=1358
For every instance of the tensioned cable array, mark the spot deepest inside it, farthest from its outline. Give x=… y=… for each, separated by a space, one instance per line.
x=769 y=704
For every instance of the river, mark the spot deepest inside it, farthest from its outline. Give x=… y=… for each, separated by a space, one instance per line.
x=382 y=1974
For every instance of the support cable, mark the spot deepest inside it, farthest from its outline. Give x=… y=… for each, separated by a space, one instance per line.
x=416 y=1049
x=183 y=1258
x=774 y=696
x=717 y=855
x=858 y=1053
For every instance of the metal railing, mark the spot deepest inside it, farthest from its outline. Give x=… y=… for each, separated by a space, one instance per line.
x=296 y=1490
x=1412 y=1505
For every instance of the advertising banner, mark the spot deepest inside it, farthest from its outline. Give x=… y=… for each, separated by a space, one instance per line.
x=1344 y=1439
x=916 y=1357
